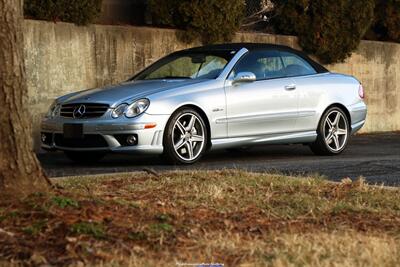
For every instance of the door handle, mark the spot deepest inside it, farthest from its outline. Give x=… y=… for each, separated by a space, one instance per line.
x=290 y=87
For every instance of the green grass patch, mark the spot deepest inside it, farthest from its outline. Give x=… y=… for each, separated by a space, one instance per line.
x=64 y=202
x=95 y=230
x=161 y=228
x=35 y=228
x=137 y=236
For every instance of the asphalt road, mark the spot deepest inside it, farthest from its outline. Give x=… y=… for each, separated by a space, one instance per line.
x=375 y=157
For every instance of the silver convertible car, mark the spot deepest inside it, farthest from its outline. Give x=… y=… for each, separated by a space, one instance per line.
x=211 y=97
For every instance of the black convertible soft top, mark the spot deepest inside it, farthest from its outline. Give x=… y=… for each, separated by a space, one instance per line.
x=259 y=46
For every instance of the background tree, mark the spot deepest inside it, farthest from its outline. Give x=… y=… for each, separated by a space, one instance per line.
x=20 y=171
x=329 y=29
x=386 y=26
x=211 y=21
x=80 y=12
x=289 y=17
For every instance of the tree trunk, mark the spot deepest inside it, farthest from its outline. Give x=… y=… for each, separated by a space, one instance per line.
x=20 y=171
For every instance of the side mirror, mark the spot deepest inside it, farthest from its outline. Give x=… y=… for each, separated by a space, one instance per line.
x=244 y=77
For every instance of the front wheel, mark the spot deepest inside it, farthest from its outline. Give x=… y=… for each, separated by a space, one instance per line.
x=84 y=157
x=185 y=139
x=333 y=133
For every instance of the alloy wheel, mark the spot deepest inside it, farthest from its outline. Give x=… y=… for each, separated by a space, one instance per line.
x=188 y=137
x=336 y=131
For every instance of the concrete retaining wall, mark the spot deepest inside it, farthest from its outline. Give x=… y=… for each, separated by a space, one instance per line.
x=62 y=58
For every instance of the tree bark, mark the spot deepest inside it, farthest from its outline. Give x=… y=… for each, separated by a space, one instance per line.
x=20 y=171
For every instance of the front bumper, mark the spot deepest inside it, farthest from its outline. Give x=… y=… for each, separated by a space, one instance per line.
x=105 y=134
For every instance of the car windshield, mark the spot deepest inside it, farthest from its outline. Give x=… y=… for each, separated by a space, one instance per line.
x=188 y=65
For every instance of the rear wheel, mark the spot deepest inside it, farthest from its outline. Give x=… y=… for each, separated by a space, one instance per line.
x=333 y=133
x=185 y=139
x=84 y=157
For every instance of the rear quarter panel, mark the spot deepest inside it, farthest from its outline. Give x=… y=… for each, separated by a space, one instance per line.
x=318 y=92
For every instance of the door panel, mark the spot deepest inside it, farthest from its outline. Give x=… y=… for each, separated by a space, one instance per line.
x=261 y=107
x=265 y=106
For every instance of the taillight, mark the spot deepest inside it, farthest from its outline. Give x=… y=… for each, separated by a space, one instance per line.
x=361 y=92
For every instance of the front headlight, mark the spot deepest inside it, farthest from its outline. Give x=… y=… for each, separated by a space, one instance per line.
x=137 y=108
x=119 y=111
x=54 y=110
x=132 y=110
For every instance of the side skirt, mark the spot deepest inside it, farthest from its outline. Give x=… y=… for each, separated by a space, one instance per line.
x=280 y=138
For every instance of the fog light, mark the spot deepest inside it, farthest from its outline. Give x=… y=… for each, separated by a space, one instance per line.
x=44 y=138
x=131 y=140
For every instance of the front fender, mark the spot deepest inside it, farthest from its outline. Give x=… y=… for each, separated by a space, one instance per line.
x=209 y=97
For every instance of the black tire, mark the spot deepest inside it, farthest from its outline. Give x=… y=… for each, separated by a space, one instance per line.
x=84 y=157
x=321 y=146
x=170 y=154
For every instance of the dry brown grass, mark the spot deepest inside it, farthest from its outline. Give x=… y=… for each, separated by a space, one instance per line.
x=231 y=217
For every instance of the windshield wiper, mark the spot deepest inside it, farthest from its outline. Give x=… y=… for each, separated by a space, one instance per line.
x=171 y=77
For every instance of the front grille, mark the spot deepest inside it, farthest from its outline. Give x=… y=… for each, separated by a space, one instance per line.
x=88 y=141
x=88 y=110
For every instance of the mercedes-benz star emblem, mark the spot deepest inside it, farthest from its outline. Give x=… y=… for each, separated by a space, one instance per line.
x=79 y=111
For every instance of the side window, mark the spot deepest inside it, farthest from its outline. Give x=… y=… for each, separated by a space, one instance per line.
x=211 y=68
x=296 y=65
x=266 y=64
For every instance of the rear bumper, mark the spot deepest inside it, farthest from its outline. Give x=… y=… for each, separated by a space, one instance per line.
x=106 y=132
x=357 y=126
x=358 y=114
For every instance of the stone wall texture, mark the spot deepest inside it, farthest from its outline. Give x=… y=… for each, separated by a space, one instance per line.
x=62 y=58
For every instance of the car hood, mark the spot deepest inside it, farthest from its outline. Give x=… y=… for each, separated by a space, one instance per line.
x=127 y=91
